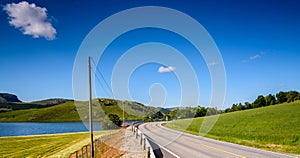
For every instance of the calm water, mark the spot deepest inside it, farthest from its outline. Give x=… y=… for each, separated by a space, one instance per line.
x=28 y=128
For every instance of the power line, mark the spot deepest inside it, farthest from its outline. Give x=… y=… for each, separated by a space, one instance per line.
x=102 y=76
x=102 y=86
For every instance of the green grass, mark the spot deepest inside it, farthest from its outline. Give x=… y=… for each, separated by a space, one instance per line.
x=55 y=145
x=68 y=112
x=65 y=112
x=275 y=128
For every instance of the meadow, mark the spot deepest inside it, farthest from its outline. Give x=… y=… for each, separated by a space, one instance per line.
x=275 y=128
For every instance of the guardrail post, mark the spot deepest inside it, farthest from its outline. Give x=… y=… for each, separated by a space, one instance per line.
x=144 y=143
x=148 y=152
x=141 y=140
x=136 y=134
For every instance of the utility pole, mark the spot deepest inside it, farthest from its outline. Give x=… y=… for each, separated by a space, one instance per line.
x=123 y=116
x=90 y=108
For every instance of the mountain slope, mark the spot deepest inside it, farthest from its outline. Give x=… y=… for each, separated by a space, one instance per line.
x=68 y=111
x=6 y=97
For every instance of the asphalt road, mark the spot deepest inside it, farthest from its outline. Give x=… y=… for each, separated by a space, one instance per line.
x=171 y=143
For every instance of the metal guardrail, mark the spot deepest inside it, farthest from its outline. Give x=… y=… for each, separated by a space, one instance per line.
x=144 y=140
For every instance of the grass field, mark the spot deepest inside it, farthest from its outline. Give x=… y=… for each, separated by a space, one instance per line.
x=275 y=128
x=55 y=145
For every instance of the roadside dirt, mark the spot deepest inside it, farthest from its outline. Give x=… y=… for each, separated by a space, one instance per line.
x=122 y=144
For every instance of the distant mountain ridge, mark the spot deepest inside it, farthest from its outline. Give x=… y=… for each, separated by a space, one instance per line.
x=10 y=102
x=52 y=101
x=6 y=97
x=72 y=111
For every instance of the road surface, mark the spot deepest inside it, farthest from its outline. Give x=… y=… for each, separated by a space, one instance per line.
x=171 y=143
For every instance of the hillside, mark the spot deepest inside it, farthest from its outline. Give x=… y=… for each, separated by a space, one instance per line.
x=60 y=113
x=68 y=112
x=10 y=102
x=274 y=128
x=50 y=102
x=6 y=97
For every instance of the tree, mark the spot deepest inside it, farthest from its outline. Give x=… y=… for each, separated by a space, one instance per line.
x=173 y=113
x=112 y=122
x=248 y=105
x=281 y=97
x=158 y=115
x=270 y=100
x=212 y=111
x=200 y=112
x=240 y=106
x=166 y=117
x=298 y=97
x=115 y=119
x=186 y=112
x=259 y=102
x=291 y=96
x=234 y=107
x=228 y=110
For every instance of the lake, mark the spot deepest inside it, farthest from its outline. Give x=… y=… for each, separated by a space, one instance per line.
x=33 y=128
x=37 y=128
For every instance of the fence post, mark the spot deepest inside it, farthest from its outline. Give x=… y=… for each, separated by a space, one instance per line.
x=86 y=151
x=95 y=148
x=76 y=154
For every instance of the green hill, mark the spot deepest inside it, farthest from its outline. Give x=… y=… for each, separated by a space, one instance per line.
x=68 y=112
x=9 y=106
x=275 y=128
x=6 y=97
x=59 y=113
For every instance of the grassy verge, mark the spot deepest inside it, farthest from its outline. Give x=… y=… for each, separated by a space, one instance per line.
x=274 y=128
x=54 y=145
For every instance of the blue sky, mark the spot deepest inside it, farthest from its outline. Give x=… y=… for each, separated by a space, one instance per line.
x=258 y=40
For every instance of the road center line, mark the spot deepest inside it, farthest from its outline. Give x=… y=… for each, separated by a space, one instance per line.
x=222 y=150
x=182 y=137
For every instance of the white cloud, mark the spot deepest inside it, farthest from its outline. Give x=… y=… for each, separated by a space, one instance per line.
x=281 y=85
x=255 y=57
x=264 y=87
x=212 y=63
x=166 y=69
x=30 y=19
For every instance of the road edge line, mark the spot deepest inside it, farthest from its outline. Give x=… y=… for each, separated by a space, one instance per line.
x=168 y=150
